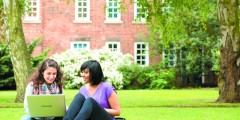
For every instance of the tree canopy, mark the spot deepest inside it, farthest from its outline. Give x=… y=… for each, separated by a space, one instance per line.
x=202 y=28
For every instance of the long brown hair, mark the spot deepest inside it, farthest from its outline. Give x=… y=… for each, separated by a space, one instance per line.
x=38 y=79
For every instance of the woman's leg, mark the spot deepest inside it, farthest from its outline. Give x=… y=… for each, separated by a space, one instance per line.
x=91 y=109
x=57 y=118
x=74 y=107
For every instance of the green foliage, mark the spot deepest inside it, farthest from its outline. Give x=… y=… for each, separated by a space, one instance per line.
x=158 y=83
x=5 y=64
x=142 y=77
x=23 y=4
x=7 y=80
x=6 y=68
x=1 y=4
x=190 y=27
x=2 y=29
x=36 y=60
x=164 y=80
x=8 y=83
x=33 y=44
x=134 y=76
x=216 y=59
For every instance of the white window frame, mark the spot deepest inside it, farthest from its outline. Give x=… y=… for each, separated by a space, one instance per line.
x=173 y=60
x=113 y=43
x=33 y=19
x=113 y=20
x=136 y=19
x=146 y=54
x=80 y=42
x=82 y=20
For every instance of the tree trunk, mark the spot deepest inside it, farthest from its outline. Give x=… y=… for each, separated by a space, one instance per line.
x=18 y=49
x=229 y=51
x=2 y=28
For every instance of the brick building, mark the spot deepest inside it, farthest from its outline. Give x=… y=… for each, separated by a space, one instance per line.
x=93 y=24
x=87 y=24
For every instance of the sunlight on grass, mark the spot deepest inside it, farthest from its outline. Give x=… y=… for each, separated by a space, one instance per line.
x=7 y=99
x=178 y=113
x=164 y=98
x=183 y=104
x=11 y=113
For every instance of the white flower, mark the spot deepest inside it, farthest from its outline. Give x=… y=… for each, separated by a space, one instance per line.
x=71 y=60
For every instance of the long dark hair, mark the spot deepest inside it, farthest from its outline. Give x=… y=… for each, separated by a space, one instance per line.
x=38 y=78
x=95 y=69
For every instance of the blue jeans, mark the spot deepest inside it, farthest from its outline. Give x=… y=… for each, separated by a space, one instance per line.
x=86 y=109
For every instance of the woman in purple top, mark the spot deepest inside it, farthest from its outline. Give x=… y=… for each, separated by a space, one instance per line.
x=97 y=100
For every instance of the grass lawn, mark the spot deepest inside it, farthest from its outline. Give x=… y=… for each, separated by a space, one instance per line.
x=183 y=104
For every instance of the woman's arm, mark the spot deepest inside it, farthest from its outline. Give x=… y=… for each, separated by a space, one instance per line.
x=29 y=91
x=115 y=106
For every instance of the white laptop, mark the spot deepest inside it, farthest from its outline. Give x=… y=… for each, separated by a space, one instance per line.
x=52 y=105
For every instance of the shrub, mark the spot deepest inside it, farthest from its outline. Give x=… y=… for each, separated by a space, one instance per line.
x=163 y=80
x=6 y=69
x=135 y=76
x=36 y=60
x=141 y=77
x=71 y=60
x=7 y=80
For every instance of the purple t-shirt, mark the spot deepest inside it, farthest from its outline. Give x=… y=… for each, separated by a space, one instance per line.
x=101 y=95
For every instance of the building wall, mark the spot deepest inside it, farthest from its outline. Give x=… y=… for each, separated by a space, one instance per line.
x=58 y=29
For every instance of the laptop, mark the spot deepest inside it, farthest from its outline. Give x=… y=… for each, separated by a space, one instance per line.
x=52 y=105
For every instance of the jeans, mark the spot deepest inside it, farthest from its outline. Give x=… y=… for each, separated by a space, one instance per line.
x=86 y=109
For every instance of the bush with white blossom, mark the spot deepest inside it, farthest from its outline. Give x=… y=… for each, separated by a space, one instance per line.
x=71 y=60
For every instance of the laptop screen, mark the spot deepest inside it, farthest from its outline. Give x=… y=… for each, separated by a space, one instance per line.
x=46 y=105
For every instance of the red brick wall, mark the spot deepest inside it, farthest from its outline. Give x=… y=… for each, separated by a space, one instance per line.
x=58 y=29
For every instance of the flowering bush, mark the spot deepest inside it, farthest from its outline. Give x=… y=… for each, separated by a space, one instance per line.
x=71 y=61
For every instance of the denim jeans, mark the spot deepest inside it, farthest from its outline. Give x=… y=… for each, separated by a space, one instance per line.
x=86 y=109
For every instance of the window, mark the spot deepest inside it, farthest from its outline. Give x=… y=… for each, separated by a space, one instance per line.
x=139 y=14
x=169 y=57
x=82 y=11
x=141 y=53
x=113 y=12
x=113 y=46
x=80 y=45
x=33 y=11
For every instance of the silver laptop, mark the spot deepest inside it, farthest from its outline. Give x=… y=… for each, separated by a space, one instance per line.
x=46 y=105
